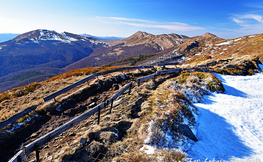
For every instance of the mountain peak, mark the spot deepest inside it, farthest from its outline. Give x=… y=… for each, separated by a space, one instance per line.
x=207 y=34
x=140 y=34
x=51 y=35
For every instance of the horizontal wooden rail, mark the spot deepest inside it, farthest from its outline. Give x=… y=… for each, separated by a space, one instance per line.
x=163 y=64
x=145 y=78
x=65 y=89
x=122 y=90
x=168 y=71
x=17 y=116
x=49 y=136
x=139 y=67
x=19 y=157
x=121 y=69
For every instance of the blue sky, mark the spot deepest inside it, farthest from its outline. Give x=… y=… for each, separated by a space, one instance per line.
x=122 y=18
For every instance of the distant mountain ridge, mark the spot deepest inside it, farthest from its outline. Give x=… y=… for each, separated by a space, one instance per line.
x=44 y=48
x=106 y=38
x=140 y=43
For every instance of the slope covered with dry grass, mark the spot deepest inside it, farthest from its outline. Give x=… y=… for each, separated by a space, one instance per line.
x=17 y=99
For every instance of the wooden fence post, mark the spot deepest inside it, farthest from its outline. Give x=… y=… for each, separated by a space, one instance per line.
x=111 y=105
x=130 y=89
x=19 y=159
x=25 y=152
x=99 y=115
x=37 y=155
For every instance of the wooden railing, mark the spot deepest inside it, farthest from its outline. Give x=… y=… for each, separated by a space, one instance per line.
x=17 y=116
x=139 y=80
x=35 y=145
x=64 y=90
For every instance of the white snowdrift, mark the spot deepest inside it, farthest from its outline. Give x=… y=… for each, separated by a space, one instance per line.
x=230 y=125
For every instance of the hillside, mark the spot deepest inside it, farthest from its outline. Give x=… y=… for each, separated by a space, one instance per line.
x=43 y=49
x=140 y=43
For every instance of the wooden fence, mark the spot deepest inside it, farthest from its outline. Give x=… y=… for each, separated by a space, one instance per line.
x=168 y=71
x=17 y=116
x=35 y=145
x=163 y=64
x=67 y=88
x=139 y=80
x=64 y=90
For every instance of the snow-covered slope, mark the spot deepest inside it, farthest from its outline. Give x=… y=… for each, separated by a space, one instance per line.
x=230 y=125
x=37 y=36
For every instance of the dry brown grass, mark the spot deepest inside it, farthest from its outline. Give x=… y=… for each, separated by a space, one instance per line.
x=213 y=83
x=251 y=46
x=163 y=155
x=19 y=91
x=17 y=99
x=244 y=65
x=83 y=71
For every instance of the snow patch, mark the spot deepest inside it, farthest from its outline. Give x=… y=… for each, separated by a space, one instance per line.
x=224 y=43
x=159 y=46
x=175 y=51
x=237 y=39
x=230 y=125
x=148 y=149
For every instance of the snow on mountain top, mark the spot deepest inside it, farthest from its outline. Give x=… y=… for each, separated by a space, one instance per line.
x=53 y=35
x=230 y=125
x=49 y=35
